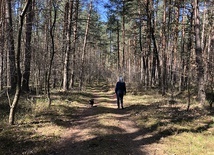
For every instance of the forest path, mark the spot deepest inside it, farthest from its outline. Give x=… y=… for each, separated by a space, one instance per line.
x=104 y=129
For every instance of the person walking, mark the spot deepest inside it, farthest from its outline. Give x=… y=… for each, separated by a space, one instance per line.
x=120 y=90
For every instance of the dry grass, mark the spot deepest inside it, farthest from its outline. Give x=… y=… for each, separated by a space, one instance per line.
x=149 y=124
x=189 y=143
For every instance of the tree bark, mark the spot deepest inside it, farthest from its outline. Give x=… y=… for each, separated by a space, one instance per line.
x=28 y=49
x=143 y=63
x=118 y=47
x=52 y=52
x=84 y=47
x=67 y=44
x=164 y=55
x=151 y=27
x=18 y=85
x=74 y=44
x=199 y=56
x=123 y=34
x=12 y=61
x=174 y=54
x=189 y=52
x=2 y=42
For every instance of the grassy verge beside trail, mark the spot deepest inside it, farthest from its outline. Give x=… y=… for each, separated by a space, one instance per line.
x=37 y=126
x=179 y=131
x=171 y=127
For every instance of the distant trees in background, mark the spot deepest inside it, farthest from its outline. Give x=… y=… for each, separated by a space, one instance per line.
x=166 y=44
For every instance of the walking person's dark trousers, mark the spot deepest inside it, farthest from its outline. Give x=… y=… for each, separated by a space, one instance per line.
x=119 y=99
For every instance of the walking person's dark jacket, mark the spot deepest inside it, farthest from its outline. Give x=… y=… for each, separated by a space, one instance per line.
x=120 y=88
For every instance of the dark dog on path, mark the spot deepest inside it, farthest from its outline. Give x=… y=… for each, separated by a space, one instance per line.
x=91 y=102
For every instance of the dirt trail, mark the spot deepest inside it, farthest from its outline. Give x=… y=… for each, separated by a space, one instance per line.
x=104 y=129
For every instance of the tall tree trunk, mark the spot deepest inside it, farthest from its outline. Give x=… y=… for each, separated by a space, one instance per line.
x=182 y=61
x=18 y=85
x=28 y=50
x=151 y=27
x=199 y=56
x=64 y=46
x=143 y=63
x=68 y=44
x=118 y=47
x=2 y=43
x=74 y=44
x=52 y=52
x=189 y=52
x=129 y=61
x=206 y=35
x=1 y=63
x=84 y=47
x=123 y=34
x=210 y=59
x=46 y=47
x=12 y=63
x=164 y=55
x=174 y=50
x=156 y=55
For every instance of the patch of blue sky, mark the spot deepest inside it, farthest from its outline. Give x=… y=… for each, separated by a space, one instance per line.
x=100 y=6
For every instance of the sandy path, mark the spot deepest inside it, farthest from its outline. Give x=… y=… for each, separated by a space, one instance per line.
x=104 y=129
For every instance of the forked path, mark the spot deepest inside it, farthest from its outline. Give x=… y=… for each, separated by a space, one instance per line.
x=104 y=129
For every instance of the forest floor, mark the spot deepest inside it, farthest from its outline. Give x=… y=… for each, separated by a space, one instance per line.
x=149 y=125
x=104 y=129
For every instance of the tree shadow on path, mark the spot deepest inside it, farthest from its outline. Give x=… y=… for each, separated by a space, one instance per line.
x=106 y=130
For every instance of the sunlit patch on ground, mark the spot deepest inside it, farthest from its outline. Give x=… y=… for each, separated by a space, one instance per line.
x=149 y=124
